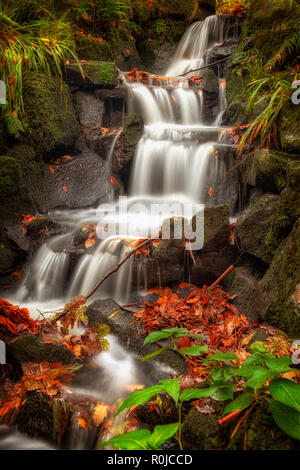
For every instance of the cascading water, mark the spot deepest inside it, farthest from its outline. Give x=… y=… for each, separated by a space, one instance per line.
x=174 y=161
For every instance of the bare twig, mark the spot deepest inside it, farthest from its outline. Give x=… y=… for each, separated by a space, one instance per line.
x=134 y=250
x=204 y=67
x=220 y=278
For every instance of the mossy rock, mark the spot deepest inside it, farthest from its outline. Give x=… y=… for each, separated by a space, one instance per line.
x=253 y=226
x=259 y=432
x=235 y=113
x=199 y=431
x=10 y=176
x=290 y=128
x=288 y=209
x=49 y=120
x=273 y=299
x=268 y=170
x=97 y=74
x=216 y=227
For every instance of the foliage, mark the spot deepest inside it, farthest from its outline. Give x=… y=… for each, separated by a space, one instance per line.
x=14 y=320
x=259 y=378
x=44 y=377
x=31 y=38
x=231 y=7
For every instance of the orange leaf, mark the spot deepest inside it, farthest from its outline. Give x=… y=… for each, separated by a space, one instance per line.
x=210 y=192
x=82 y=422
x=65 y=189
x=51 y=169
x=113 y=180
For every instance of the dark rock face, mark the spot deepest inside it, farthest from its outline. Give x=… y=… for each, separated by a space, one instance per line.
x=268 y=170
x=216 y=228
x=30 y=348
x=242 y=282
x=163 y=57
x=78 y=183
x=235 y=114
x=35 y=416
x=290 y=129
x=218 y=53
x=129 y=334
x=50 y=120
x=210 y=89
x=253 y=226
x=90 y=117
x=276 y=298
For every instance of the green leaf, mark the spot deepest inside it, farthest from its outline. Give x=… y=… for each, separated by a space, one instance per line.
x=286 y=418
x=172 y=387
x=287 y=392
x=247 y=371
x=220 y=375
x=256 y=359
x=195 y=350
x=161 y=434
x=155 y=353
x=140 y=397
x=222 y=393
x=258 y=346
x=134 y=440
x=279 y=364
x=222 y=356
x=258 y=379
x=239 y=403
x=166 y=333
x=194 y=393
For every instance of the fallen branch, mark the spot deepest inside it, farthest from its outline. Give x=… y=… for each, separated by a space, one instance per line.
x=204 y=67
x=220 y=278
x=115 y=269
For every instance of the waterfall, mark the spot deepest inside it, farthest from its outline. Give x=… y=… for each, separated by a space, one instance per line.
x=174 y=161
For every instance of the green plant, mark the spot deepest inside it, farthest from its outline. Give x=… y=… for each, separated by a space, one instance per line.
x=31 y=38
x=257 y=379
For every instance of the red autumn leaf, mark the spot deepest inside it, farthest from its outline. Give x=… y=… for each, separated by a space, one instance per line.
x=113 y=180
x=65 y=189
x=51 y=169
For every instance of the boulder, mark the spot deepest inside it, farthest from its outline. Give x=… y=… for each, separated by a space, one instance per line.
x=96 y=74
x=275 y=299
x=216 y=228
x=129 y=333
x=290 y=128
x=77 y=183
x=268 y=170
x=252 y=227
x=90 y=115
x=35 y=416
x=29 y=348
x=235 y=114
x=242 y=283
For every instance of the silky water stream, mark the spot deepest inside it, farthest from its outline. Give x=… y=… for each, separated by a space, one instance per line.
x=173 y=163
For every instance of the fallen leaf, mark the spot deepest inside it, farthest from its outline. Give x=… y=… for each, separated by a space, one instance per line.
x=99 y=414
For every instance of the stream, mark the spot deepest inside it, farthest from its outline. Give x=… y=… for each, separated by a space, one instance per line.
x=174 y=165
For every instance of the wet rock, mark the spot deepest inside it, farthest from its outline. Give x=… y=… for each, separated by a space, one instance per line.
x=35 y=416
x=82 y=235
x=274 y=298
x=7 y=257
x=216 y=227
x=78 y=183
x=290 y=129
x=242 y=283
x=129 y=333
x=209 y=266
x=268 y=170
x=210 y=89
x=126 y=145
x=199 y=431
x=235 y=114
x=288 y=209
x=218 y=53
x=130 y=58
x=90 y=116
x=43 y=227
x=253 y=226
x=163 y=57
x=96 y=74
x=30 y=348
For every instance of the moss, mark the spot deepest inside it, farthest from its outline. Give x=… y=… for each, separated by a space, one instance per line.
x=273 y=298
x=107 y=73
x=49 y=120
x=199 y=431
x=288 y=210
x=259 y=432
x=10 y=176
x=290 y=128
